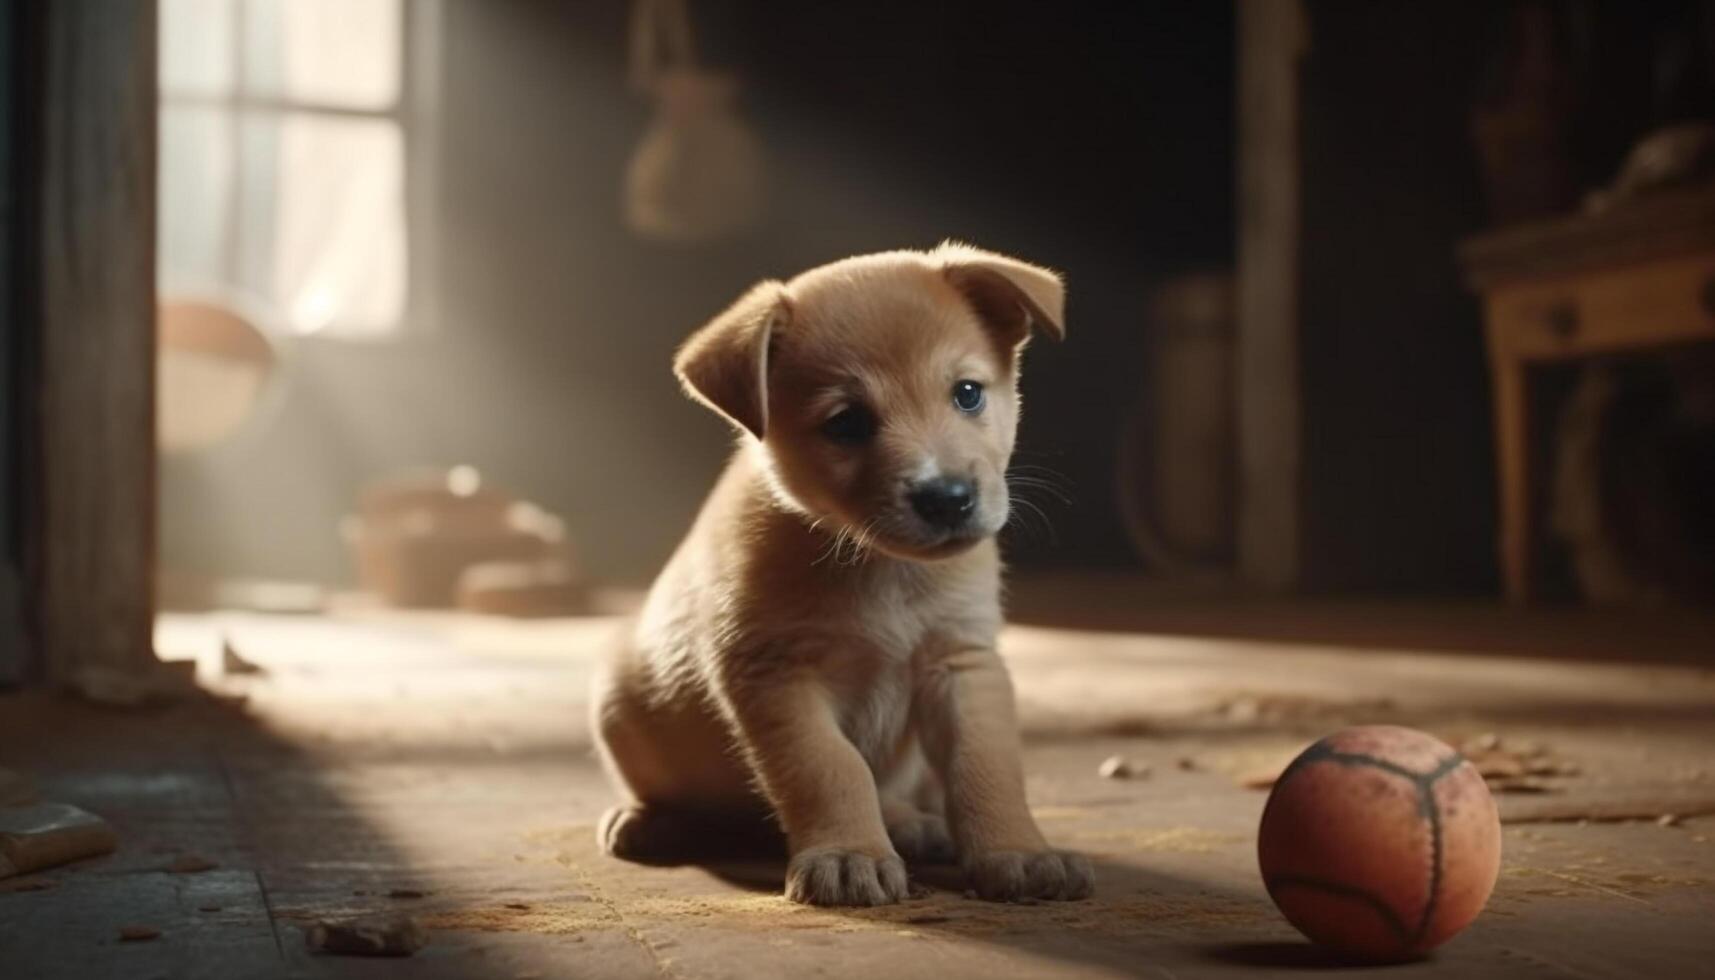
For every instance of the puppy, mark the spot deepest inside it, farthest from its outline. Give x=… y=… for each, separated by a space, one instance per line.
x=821 y=647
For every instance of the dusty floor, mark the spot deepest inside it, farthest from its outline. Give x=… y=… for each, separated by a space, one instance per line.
x=447 y=755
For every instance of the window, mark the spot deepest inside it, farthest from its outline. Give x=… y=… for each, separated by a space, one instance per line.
x=286 y=128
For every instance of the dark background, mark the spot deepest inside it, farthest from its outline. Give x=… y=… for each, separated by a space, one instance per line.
x=1097 y=140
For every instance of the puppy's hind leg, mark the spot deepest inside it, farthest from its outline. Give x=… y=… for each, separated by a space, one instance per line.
x=641 y=829
x=647 y=833
x=686 y=796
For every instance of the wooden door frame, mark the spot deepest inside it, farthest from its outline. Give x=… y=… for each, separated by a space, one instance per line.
x=79 y=223
x=1272 y=37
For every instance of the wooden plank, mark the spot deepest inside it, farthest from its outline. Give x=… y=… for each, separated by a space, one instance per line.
x=1271 y=44
x=1668 y=301
x=1517 y=535
x=92 y=377
x=1630 y=232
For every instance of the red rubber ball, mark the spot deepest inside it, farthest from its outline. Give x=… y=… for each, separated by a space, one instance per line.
x=1380 y=842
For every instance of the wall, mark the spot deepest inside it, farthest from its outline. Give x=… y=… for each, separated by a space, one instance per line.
x=1397 y=471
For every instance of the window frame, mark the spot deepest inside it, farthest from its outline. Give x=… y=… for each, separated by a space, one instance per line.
x=415 y=112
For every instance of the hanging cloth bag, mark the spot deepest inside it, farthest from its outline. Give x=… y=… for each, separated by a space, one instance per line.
x=697 y=173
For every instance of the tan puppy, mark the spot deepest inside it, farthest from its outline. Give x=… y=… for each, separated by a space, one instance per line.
x=822 y=645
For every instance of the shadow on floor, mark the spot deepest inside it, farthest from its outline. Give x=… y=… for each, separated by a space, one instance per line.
x=1288 y=956
x=297 y=829
x=189 y=779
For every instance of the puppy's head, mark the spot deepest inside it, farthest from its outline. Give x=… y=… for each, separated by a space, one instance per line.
x=882 y=389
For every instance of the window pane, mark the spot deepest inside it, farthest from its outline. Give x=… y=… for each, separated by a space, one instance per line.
x=323 y=221
x=333 y=52
x=195 y=195
x=196 y=46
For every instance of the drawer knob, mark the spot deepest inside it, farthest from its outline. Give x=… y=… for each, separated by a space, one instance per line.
x=1563 y=318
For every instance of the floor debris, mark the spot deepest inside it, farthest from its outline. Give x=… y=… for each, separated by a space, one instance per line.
x=48 y=834
x=30 y=884
x=233 y=665
x=1495 y=758
x=163 y=683
x=1119 y=767
x=1480 y=744
x=1264 y=778
x=376 y=935
x=1521 y=768
x=138 y=934
x=188 y=864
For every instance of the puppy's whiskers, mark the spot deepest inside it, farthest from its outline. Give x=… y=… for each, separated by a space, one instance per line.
x=834 y=545
x=864 y=541
x=1042 y=478
x=1028 y=515
x=846 y=535
x=1030 y=521
x=853 y=537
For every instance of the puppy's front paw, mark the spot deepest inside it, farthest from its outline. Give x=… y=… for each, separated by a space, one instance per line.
x=1013 y=876
x=833 y=876
x=921 y=838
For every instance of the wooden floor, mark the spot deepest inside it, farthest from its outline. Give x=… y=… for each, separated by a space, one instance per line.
x=448 y=755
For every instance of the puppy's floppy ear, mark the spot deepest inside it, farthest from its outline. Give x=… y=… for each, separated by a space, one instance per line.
x=1010 y=296
x=725 y=364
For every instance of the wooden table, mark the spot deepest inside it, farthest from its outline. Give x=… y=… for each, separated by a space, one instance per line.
x=1640 y=275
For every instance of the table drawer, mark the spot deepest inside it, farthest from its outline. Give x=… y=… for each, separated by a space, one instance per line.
x=1663 y=302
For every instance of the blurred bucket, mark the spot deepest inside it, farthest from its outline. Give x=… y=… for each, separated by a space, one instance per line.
x=1177 y=459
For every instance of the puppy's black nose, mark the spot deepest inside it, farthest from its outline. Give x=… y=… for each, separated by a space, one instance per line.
x=946 y=502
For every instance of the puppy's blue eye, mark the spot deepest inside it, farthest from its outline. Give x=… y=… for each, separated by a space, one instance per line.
x=968 y=397
x=852 y=425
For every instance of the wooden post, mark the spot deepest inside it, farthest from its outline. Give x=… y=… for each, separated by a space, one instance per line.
x=85 y=167
x=1512 y=462
x=1270 y=45
x=13 y=647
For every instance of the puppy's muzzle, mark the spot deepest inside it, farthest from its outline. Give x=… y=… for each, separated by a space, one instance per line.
x=944 y=503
